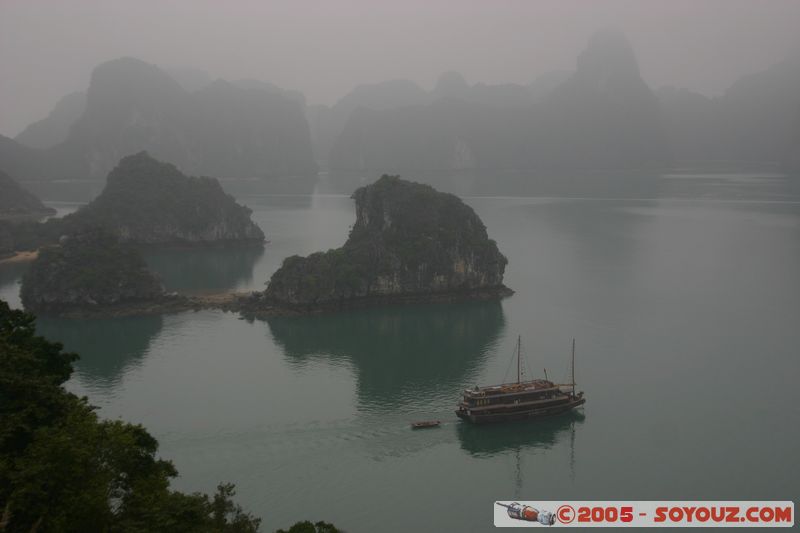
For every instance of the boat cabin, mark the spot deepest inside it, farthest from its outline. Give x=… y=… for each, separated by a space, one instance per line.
x=511 y=393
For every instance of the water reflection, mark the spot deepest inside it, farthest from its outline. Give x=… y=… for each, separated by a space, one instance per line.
x=401 y=355
x=519 y=439
x=487 y=440
x=210 y=269
x=10 y=276
x=108 y=347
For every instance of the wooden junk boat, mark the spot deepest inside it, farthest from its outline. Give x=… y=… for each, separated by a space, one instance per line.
x=522 y=400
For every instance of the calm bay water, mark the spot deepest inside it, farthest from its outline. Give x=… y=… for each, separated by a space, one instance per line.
x=686 y=310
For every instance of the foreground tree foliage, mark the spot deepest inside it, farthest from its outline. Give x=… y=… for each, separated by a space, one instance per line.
x=64 y=469
x=308 y=527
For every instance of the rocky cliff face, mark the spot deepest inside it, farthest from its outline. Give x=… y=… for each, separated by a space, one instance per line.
x=88 y=271
x=149 y=202
x=409 y=241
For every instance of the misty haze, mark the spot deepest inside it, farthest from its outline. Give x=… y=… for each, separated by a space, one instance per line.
x=358 y=266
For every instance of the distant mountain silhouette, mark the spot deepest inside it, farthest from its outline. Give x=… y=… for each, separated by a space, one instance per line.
x=250 y=83
x=603 y=116
x=383 y=95
x=692 y=122
x=224 y=129
x=54 y=128
x=754 y=121
x=15 y=201
x=759 y=113
x=452 y=85
x=21 y=161
x=130 y=106
x=447 y=134
x=328 y=122
x=191 y=79
x=546 y=83
x=248 y=132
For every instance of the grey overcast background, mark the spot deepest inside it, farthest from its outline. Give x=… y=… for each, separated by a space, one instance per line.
x=48 y=48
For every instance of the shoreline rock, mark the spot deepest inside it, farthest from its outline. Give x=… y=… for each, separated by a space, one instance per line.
x=166 y=305
x=257 y=306
x=252 y=305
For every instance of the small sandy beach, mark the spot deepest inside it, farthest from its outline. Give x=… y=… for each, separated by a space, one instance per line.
x=20 y=257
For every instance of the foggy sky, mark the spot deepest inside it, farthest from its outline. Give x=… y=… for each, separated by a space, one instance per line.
x=324 y=48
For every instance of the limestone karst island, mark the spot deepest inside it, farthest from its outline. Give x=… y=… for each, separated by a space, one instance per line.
x=90 y=272
x=410 y=243
x=146 y=201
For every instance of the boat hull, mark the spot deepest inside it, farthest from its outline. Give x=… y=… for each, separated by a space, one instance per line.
x=425 y=425
x=526 y=414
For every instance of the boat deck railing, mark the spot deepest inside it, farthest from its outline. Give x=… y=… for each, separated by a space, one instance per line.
x=507 y=388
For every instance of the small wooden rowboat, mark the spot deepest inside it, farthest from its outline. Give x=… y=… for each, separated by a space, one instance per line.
x=425 y=424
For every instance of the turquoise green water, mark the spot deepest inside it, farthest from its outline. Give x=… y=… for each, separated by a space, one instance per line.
x=686 y=310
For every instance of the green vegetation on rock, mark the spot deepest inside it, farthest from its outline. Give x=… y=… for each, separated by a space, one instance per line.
x=144 y=202
x=150 y=202
x=408 y=239
x=308 y=527
x=88 y=270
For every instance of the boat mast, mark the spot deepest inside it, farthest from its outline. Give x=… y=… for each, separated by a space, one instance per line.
x=519 y=349
x=573 y=366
